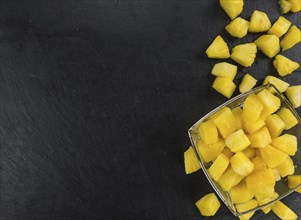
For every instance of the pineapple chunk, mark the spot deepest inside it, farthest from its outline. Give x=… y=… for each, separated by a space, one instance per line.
x=244 y=54
x=275 y=125
x=283 y=212
x=258 y=162
x=237 y=141
x=287 y=143
x=252 y=108
x=286 y=167
x=233 y=8
x=288 y=117
x=295 y=5
x=238 y=27
x=228 y=153
x=208 y=132
x=249 y=152
x=218 y=167
x=271 y=103
x=272 y=156
x=284 y=66
x=293 y=93
x=224 y=69
x=229 y=179
x=247 y=83
x=276 y=174
x=191 y=162
x=294 y=181
x=267 y=209
x=250 y=126
x=280 y=27
x=224 y=86
x=260 y=138
x=218 y=49
x=245 y=207
x=241 y=164
x=268 y=44
x=240 y=193
x=289 y=5
x=237 y=114
x=278 y=83
x=211 y=151
x=291 y=38
x=208 y=205
x=259 y=22
x=225 y=122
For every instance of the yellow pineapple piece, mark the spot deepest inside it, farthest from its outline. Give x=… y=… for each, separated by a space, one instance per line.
x=272 y=156
x=237 y=141
x=210 y=152
x=294 y=181
x=288 y=117
x=260 y=138
x=227 y=152
x=280 y=27
x=249 y=152
x=284 y=66
x=287 y=143
x=218 y=49
x=268 y=44
x=237 y=114
x=241 y=164
x=278 y=83
x=191 y=162
x=264 y=201
x=276 y=174
x=271 y=103
x=291 y=38
x=258 y=162
x=233 y=8
x=244 y=54
x=295 y=5
x=238 y=27
x=293 y=93
x=229 y=179
x=218 y=167
x=225 y=122
x=247 y=83
x=259 y=22
x=286 y=167
x=224 y=69
x=283 y=212
x=240 y=193
x=224 y=86
x=275 y=125
x=250 y=126
x=208 y=132
x=245 y=207
x=252 y=108
x=289 y=5
x=208 y=205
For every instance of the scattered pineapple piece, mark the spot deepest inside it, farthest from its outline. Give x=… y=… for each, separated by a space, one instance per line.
x=280 y=27
x=278 y=83
x=237 y=114
x=283 y=212
x=286 y=167
x=208 y=132
x=211 y=151
x=252 y=108
x=218 y=167
x=293 y=93
x=249 y=152
x=267 y=209
x=268 y=44
x=224 y=86
x=225 y=122
x=287 y=143
x=237 y=141
x=250 y=126
x=271 y=103
x=238 y=27
x=275 y=125
x=244 y=54
x=228 y=153
x=191 y=162
x=218 y=48
x=233 y=8
x=259 y=22
x=293 y=181
x=229 y=179
x=296 y=5
x=288 y=117
x=245 y=207
x=289 y=5
x=272 y=156
x=208 y=205
x=247 y=83
x=224 y=69
x=291 y=38
x=284 y=66
x=240 y=193
x=260 y=138
x=241 y=164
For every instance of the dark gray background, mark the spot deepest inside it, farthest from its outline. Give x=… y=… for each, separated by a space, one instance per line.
x=96 y=100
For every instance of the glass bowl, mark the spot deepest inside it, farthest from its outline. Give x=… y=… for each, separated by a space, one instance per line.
x=281 y=186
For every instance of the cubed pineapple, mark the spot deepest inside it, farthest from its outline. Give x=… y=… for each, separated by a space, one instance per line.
x=247 y=83
x=260 y=138
x=278 y=83
x=237 y=114
x=261 y=202
x=280 y=27
x=229 y=179
x=291 y=38
x=208 y=132
x=238 y=27
x=237 y=141
x=244 y=54
x=258 y=162
x=288 y=117
x=233 y=8
x=249 y=152
x=211 y=151
x=240 y=193
x=295 y=5
x=271 y=103
x=252 y=108
x=227 y=152
x=241 y=164
x=294 y=181
x=283 y=212
x=287 y=143
x=293 y=93
x=250 y=126
x=218 y=49
x=191 y=162
x=284 y=66
x=225 y=122
x=259 y=22
x=224 y=86
x=245 y=207
x=286 y=167
x=275 y=125
x=208 y=205
x=268 y=44
x=289 y=5
x=272 y=156
x=218 y=167
x=224 y=69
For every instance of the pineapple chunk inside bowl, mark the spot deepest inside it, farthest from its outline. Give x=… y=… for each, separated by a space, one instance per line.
x=248 y=148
